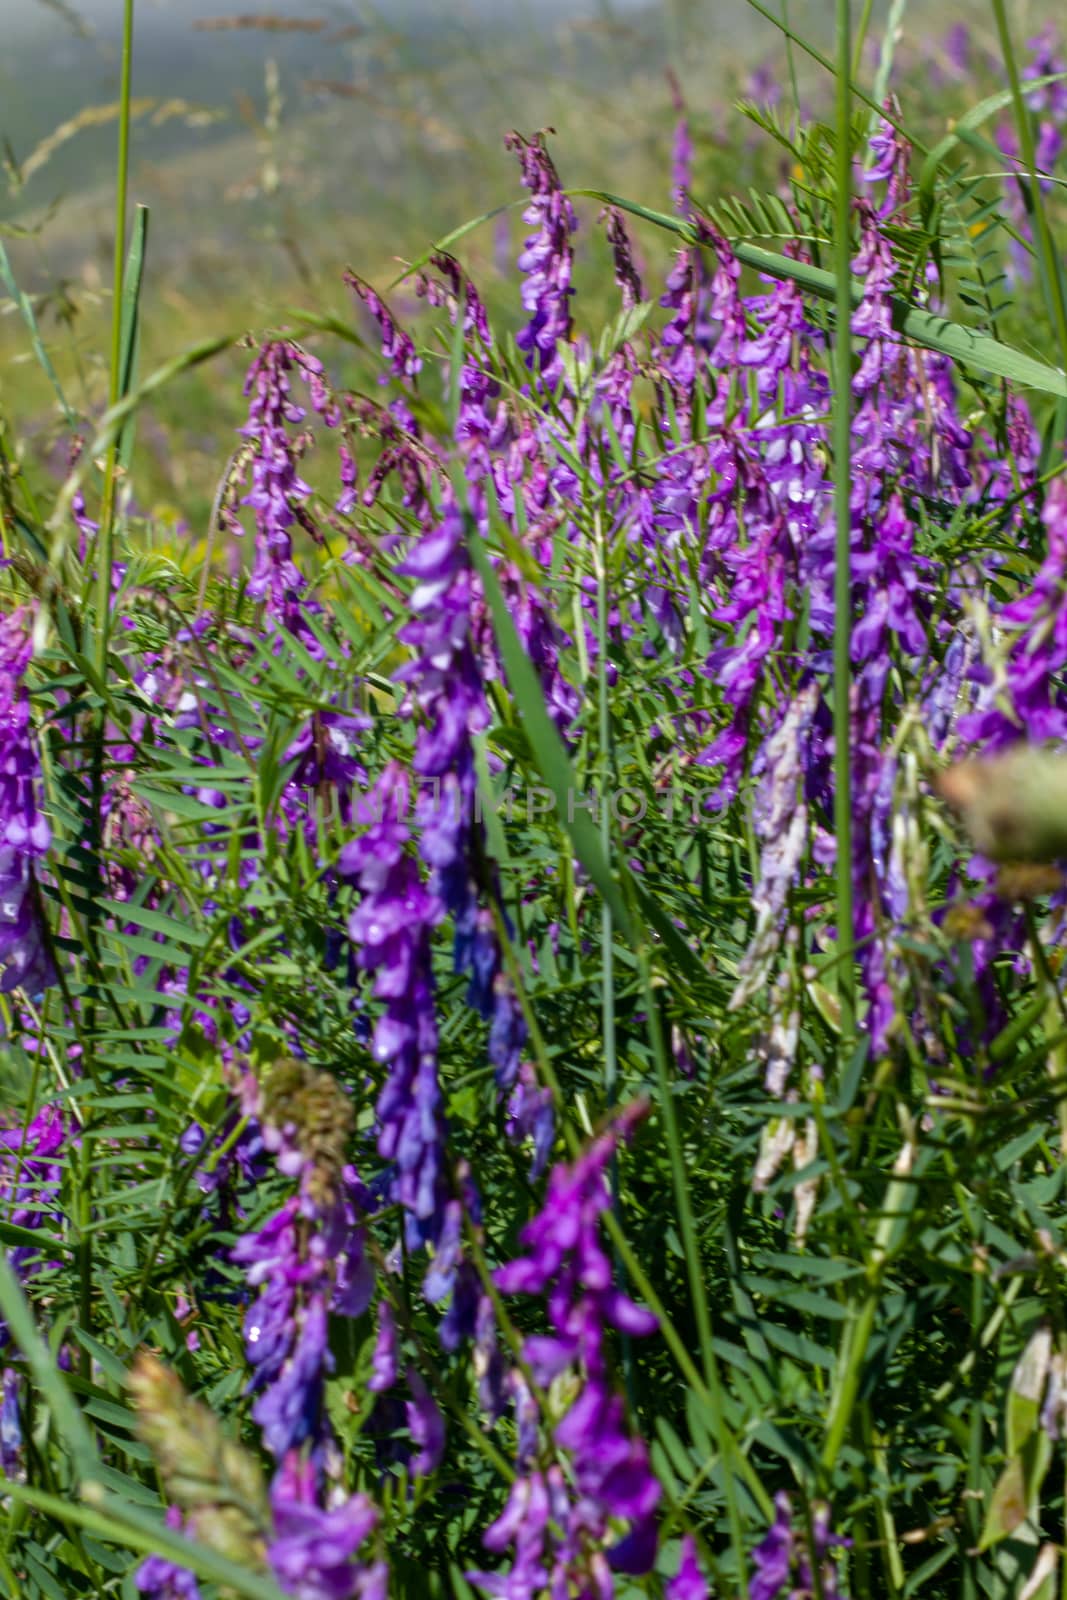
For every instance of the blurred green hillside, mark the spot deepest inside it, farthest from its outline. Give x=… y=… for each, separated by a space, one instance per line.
x=271 y=156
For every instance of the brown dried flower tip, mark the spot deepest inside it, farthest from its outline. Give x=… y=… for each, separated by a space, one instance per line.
x=308 y=1119
x=966 y=922
x=1028 y=880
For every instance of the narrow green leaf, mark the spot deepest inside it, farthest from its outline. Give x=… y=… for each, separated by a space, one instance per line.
x=545 y=742
x=47 y=1376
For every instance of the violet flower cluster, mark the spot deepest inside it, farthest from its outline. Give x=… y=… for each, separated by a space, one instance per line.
x=32 y=1161
x=24 y=831
x=785 y=1560
x=599 y=1517
x=547 y=259
x=307 y=1260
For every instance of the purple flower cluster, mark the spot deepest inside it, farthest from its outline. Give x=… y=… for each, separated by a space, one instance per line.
x=547 y=259
x=1021 y=696
x=24 y=831
x=785 y=1560
x=31 y=1177
x=390 y=927
x=606 y=1522
x=278 y=493
x=314 y=1553
x=308 y=1260
x=10 y=1424
x=162 y=1579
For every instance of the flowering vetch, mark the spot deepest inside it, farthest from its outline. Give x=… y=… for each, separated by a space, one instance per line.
x=307 y=1259
x=24 y=831
x=608 y=1520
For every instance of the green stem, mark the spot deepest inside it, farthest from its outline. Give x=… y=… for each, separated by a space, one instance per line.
x=847 y=1379
x=105 y=555
x=607 y=924
x=861 y=37
x=105 y=552
x=698 y=1292
x=842 y=446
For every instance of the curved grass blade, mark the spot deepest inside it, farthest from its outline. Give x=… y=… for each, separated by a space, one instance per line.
x=130 y=336
x=965 y=345
x=111 y=1518
x=46 y=1375
x=29 y=318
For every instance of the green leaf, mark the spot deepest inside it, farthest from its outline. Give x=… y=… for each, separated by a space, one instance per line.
x=1015 y=1496
x=545 y=742
x=47 y=1376
x=130 y=334
x=1008 y=1506
x=28 y=317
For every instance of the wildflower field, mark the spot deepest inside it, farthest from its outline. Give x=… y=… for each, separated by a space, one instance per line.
x=532 y=925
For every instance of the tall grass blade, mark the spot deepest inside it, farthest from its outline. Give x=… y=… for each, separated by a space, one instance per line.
x=130 y=335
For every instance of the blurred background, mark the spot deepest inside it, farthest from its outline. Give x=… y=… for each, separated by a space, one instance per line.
x=276 y=148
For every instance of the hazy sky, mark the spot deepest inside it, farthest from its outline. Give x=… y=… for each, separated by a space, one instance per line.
x=107 y=14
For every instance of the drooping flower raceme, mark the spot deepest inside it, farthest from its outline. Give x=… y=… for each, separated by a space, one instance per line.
x=784 y=1560
x=307 y=1260
x=24 y=831
x=547 y=259
x=315 y=1551
x=559 y=1534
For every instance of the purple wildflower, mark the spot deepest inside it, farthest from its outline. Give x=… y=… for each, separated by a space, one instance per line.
x=24 y=832
x=307 y=1259
x=547 y=258
x=613 y=1479
x=161 y=1578
x=384 y=1359
x=10 y=1424
x=278 y=493
x=785 y=1555
x=315 y=1552
x=689 y=1582
x=426 y=1426
x=1024 y=699
x=390 y=928
x=397 y=346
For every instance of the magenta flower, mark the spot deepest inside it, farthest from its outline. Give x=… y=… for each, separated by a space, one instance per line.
x=613 y=1479
x=784 y=1559
x=689 y=1582
x=160 y=1578
x=24 y=831
x=547 y=259
x=315 y=1552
